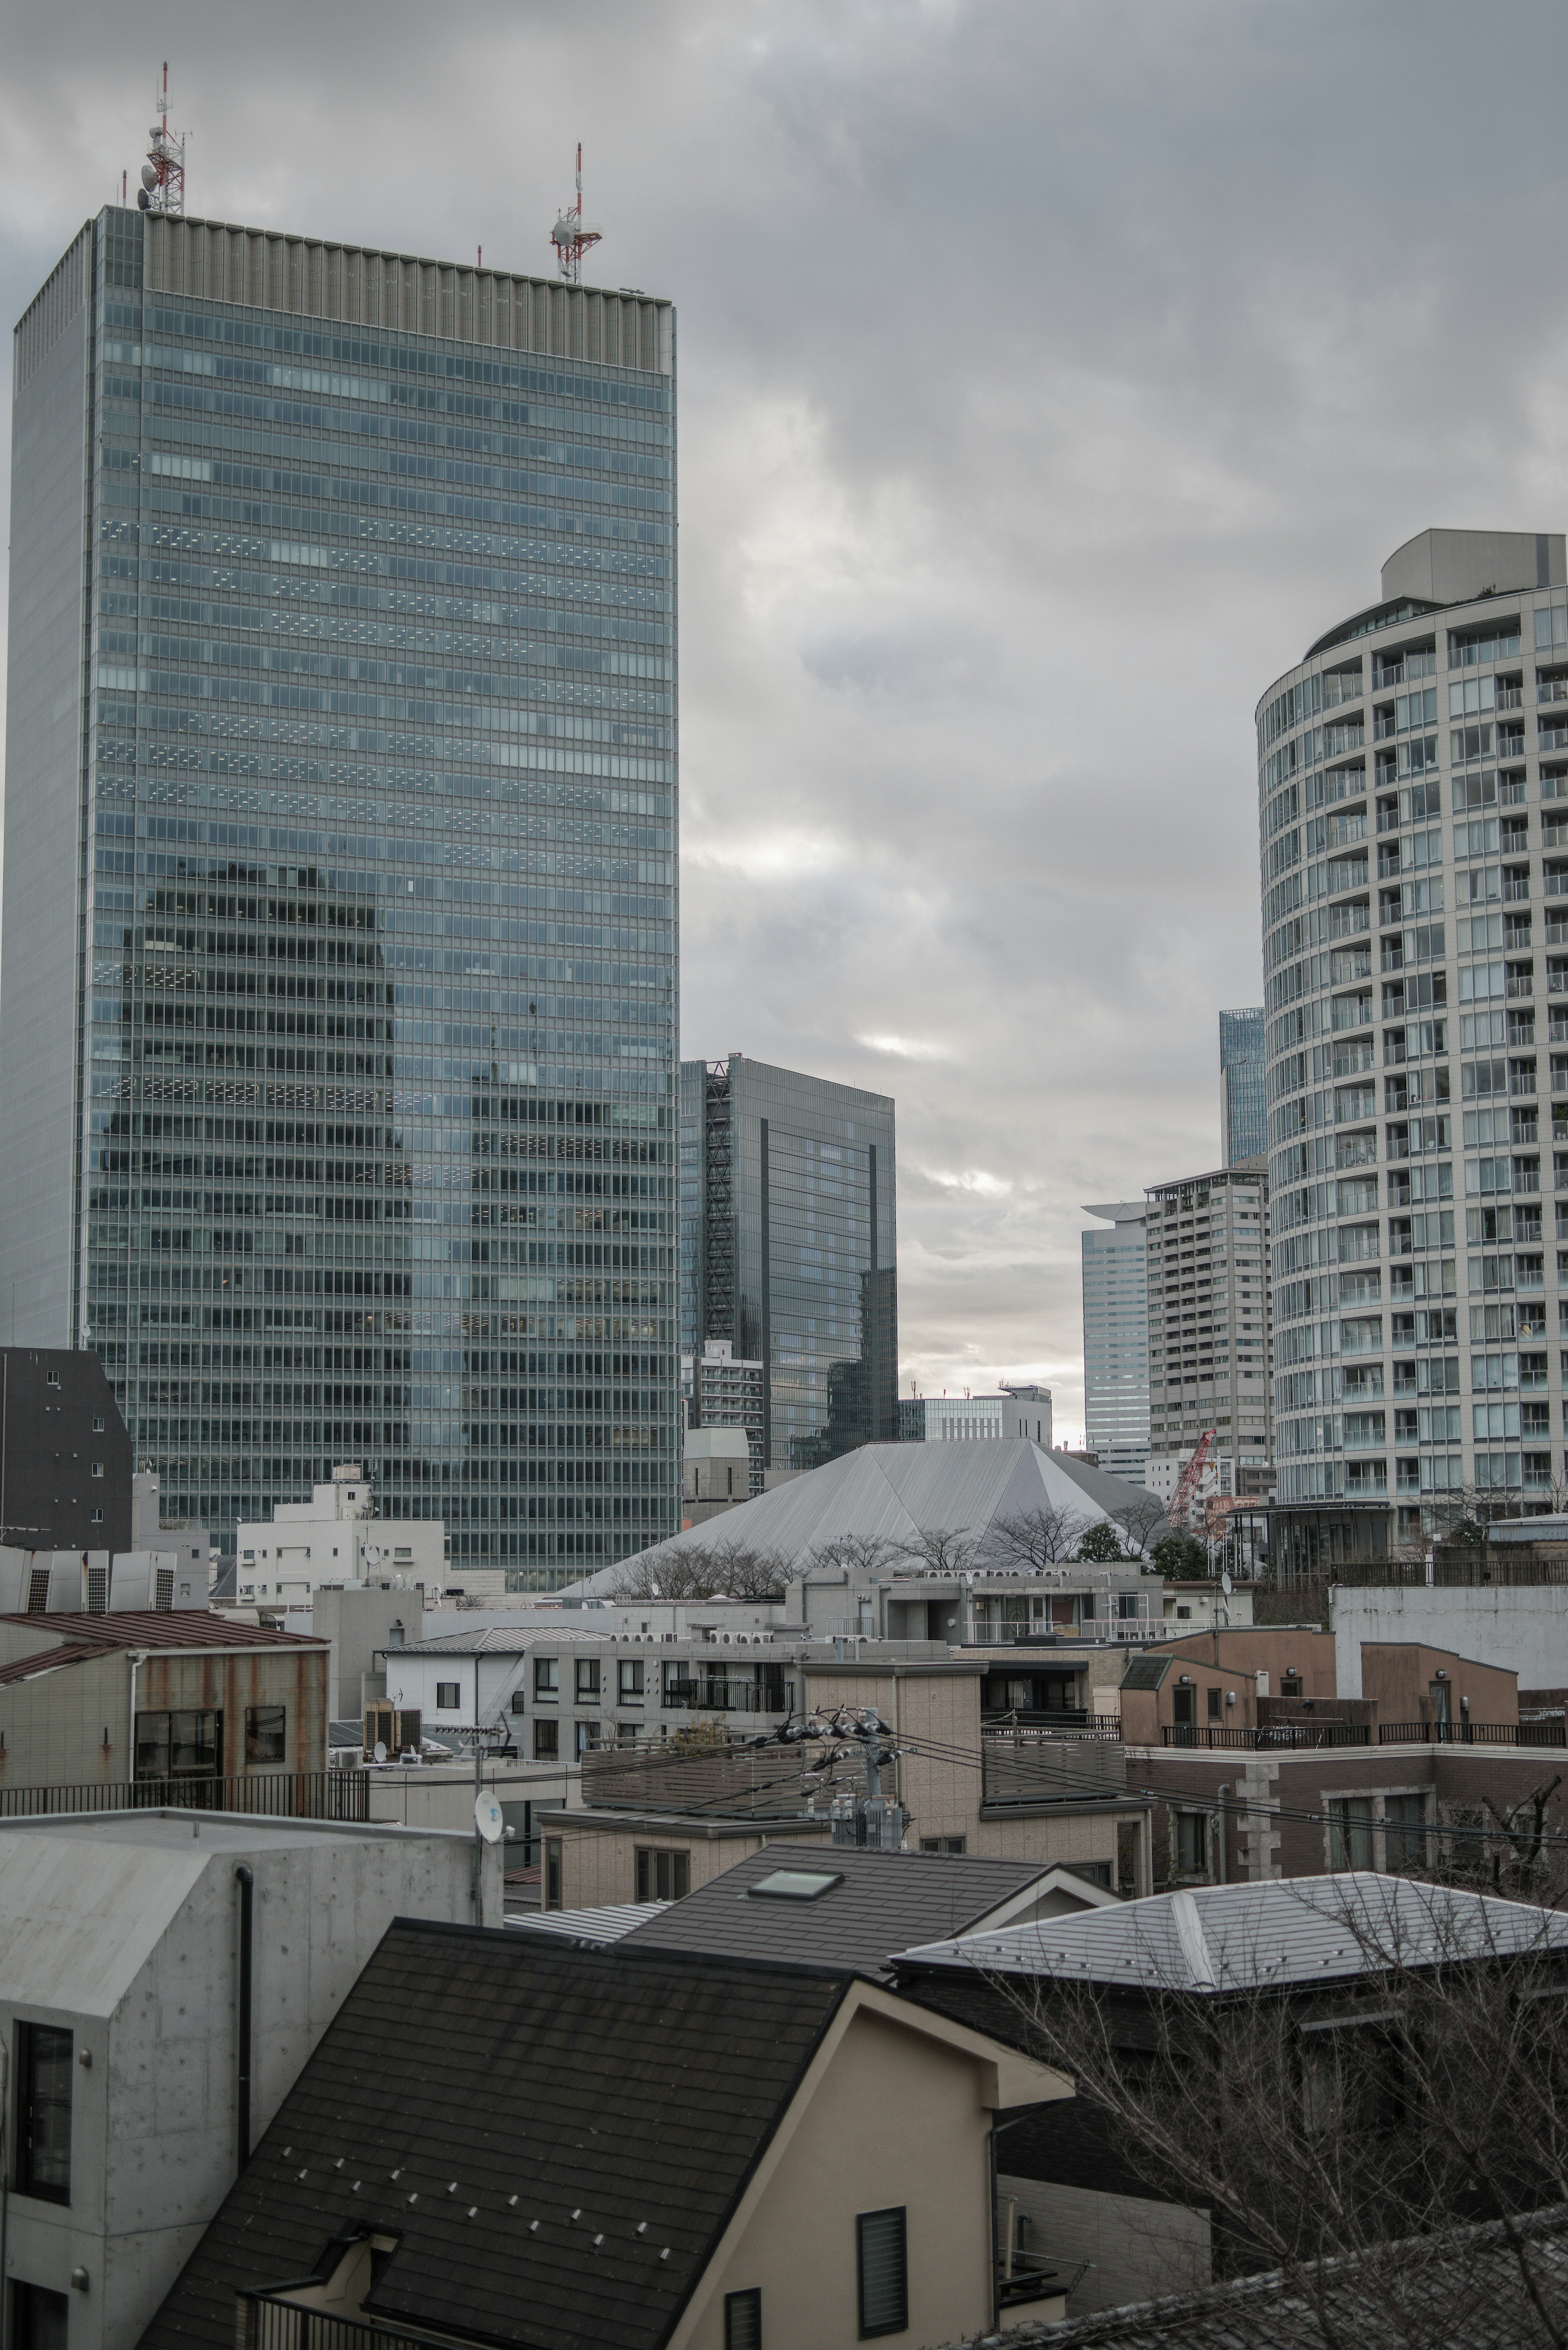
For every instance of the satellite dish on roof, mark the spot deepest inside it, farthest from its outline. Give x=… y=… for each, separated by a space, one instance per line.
x=487 y=1816
x=380 y=1750
x=1226 y=1585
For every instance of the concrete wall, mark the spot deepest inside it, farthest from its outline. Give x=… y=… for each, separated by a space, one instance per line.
x=1400 y=1675
x=1521 y=1628
x=154 y=2143
x=438 y=1797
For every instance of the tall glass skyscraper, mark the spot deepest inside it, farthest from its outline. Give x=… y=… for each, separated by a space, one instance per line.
x=1116 y=1340
x=337 y=1002
x=1413 y=815
x=1243 y=1109
x=788 y=1249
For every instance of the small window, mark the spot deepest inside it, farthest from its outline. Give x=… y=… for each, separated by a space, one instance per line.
x=44 y=2113
x=552 y=1885
x=53 y=1379
x=264 y=1726
x=631 y=1679
x=547 y=1742
x=796 y=1883
x=662 y=1876
x=1405 y=1823
x=97 y=1424
x=180 y=1745
x=449 y=1696
x=1216 y=1705
x=97 y=1518
x=1192 y=1844
x=942 y=1844
x=516 y=1701
x=882 y=2270
x=546 y=1676
x=98 y=1469
x=743 y=2319
x=1350 y=1833
x=588 y=1739
x=587 y=1678
x=402 y=1554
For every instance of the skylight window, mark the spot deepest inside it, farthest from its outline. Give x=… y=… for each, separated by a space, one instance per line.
x=796 y=1884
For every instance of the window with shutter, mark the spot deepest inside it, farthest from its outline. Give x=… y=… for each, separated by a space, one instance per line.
x=883 y=2271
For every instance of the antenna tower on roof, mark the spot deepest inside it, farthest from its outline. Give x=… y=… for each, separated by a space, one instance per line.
x=162 y=187
x=571 y=235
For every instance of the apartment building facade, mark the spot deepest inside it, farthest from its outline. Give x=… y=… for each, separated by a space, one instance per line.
x=1209 y=1327
x=1413 y=806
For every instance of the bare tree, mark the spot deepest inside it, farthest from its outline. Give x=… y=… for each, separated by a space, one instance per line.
x=1142 y=1520
x=941 y=1550
x=864 y=1557
x=1047 y=1535
x=1426 y=2093
x=725 y=1570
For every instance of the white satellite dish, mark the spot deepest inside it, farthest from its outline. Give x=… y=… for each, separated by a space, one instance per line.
x=380 y=1750
x=1226 y=1585
x=487 y=1816
x=373 y=1554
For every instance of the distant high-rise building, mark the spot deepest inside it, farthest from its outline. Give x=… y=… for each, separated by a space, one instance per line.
x=1012 y=1412
x=337 y=1029
x=788 y=1250
x=721 y=1390
x=1243 y=1113
x=1208 y=1321
x=1412 y=790
x=1116 y=1340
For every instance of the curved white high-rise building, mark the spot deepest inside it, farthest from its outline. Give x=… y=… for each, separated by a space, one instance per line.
x=1413 y=806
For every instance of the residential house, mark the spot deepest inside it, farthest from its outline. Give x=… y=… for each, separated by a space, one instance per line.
x=91 y=1702
x=1157 y=1967
x=163 y=1976
x=508 y=2140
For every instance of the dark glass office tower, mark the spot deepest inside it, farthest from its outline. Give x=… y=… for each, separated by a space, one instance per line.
x=788 y=1249
x=1244 y=1110
x=338 y=1005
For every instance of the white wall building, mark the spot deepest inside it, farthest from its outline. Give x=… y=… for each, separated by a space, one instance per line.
x=1023 y=1411
x=122 y=1939
x=336 y=1537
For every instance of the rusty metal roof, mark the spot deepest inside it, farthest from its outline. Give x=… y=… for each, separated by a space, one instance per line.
x=160 y=1628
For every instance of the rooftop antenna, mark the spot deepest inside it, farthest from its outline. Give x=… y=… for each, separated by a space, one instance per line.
x=162 y=187
x=571 y=236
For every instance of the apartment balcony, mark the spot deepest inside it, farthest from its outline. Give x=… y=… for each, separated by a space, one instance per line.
x=729 y=1697
x=340 y=1795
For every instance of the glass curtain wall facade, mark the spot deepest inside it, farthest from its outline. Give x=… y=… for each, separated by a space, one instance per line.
x=339 y=1009
x=789 y=1249
x=1116 y=1340
x=1413 y=790
x=1243 y=1115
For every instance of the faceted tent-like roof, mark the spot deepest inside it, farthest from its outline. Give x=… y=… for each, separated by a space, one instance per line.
x=899 y=1492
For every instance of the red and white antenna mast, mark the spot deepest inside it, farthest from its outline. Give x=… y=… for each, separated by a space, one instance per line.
x=162 y=187
x=571 y=235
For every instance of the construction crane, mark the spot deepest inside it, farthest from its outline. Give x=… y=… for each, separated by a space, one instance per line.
x=1186 y=1493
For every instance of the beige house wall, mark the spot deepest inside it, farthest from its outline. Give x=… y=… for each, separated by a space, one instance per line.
x=71 y=1727
x=598 y=1855
x=894 y=2118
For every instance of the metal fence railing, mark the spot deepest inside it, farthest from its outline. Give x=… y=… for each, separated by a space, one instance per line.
x=1289 y=1737
x=1471 y=1733
x=275 y=1794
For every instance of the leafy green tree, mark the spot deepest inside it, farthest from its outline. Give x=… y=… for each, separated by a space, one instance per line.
x=1179 y=1557
x=1101 y=1546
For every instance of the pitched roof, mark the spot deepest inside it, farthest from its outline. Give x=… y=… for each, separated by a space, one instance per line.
x=158 y=1628
x=1466 y=2288
x=475 y=2083
x=898 y=1491
x=1290 y=1931
x=880 y=1901
x=607 y=1924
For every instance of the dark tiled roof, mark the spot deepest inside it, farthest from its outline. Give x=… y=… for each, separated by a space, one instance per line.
x=162 y=1627
x=1463 y=2290
x=476 y=2081
x=885 y=1898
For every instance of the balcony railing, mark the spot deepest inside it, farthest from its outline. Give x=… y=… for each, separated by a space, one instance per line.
x=267 y=2321
x=1032 y=1766
x=732 y=1697
x=1268 y=1737
x=342 y=1794
x=1062 y=1722
x=1471 y=1734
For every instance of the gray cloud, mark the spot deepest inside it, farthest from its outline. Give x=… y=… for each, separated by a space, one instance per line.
x=1051 y=374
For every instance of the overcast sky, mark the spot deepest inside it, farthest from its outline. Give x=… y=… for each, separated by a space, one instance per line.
x=1050 y=375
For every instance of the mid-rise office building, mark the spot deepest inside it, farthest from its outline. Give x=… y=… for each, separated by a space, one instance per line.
x=788 y=1249
x=1413 y=804
x=1116 y=1340
x=724 y=1391
x=1021 y=1412
x=1243 y=1106
x=1206 y=1242
x=337 y=1024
